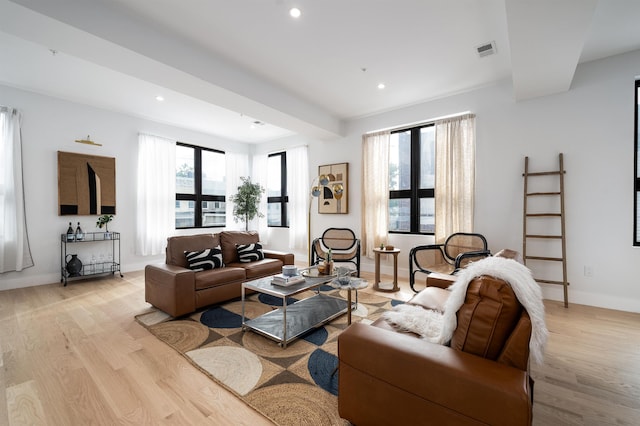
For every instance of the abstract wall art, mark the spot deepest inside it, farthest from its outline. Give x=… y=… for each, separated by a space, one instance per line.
x=333 y=197
x=86 y=184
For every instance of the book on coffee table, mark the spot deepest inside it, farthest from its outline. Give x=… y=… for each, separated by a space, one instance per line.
x=285 y=281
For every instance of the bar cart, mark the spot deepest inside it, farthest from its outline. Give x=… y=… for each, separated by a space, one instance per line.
x=96 y=267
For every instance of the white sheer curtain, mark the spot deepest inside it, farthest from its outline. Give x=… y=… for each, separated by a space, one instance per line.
x=455 y=175
x=237 y=165
x=156 y=201
x=15 y=254
x=260 y=175
x=298 y=192
x=375 y=191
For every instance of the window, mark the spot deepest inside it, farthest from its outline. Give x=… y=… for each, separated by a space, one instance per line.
x=411 y=180
x=636 y=177
x=277 y=197
x=200 y=187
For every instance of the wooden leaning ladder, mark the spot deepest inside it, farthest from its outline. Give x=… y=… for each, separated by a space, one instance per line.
x=552 y=216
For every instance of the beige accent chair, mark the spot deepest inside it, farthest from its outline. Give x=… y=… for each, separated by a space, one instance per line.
x=344 y=245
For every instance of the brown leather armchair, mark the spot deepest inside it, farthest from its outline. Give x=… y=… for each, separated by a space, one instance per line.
x=389 y=377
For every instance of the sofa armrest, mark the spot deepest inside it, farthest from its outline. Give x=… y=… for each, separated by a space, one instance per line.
x=286 y=258
x=437 y=279
x=422 y=380
x=170 y=288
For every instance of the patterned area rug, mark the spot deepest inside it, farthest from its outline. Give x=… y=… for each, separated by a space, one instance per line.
x=293 y=386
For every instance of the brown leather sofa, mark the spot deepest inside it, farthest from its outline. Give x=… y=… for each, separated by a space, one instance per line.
x=389 y=377
x=178 y=290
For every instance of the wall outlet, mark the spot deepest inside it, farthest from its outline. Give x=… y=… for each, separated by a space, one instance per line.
x=588 y=271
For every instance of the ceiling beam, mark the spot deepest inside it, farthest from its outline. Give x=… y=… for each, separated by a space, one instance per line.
x=546 y=38
x=93 y=31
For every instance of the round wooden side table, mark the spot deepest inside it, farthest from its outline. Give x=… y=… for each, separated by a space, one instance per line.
x=376 y=281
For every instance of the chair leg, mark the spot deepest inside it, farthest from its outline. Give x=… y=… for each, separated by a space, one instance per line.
x=335 y=370
x=412 y=279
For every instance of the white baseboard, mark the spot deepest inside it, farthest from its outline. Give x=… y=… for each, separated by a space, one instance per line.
x=555 y=292
x=30 y=281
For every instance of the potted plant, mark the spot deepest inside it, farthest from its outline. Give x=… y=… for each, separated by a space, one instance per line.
x=246 y=201
x=104 y=221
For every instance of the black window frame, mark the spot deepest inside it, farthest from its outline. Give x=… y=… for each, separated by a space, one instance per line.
x=636 y=176
x=197 y=198
x=283 y=198
x=415 y=193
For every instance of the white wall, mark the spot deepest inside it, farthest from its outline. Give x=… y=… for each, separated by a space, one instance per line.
x=592 y=124
x=50 y=125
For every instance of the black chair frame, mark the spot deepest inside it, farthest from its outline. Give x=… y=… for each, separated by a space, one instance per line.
x=318 y=256
x=456 y=262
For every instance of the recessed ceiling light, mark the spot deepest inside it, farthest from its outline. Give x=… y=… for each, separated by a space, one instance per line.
x=159 y=98
x=295 y=12
x=381 y=86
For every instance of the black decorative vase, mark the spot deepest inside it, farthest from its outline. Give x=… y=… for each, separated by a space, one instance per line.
x=74 y=266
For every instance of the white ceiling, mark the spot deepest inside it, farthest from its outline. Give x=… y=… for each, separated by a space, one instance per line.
x=221 y=65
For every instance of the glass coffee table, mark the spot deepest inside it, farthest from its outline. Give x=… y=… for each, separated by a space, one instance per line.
x=289 y=322
x=353 y=284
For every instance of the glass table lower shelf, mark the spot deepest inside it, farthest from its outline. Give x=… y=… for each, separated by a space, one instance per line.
x=290 y=322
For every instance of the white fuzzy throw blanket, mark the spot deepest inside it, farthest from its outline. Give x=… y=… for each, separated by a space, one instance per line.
x=438 y=327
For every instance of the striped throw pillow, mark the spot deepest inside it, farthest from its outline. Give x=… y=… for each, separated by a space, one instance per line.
x=249 y=252
x=204 y=259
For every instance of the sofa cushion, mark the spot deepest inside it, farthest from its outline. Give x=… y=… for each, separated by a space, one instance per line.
x=259 y=268
x=249 y=252
x=220 y=276
x=229 y=239
x=487 y=318
x=176 y=246
x=201 y=260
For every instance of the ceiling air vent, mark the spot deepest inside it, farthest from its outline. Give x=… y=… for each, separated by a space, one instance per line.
x=486 y=49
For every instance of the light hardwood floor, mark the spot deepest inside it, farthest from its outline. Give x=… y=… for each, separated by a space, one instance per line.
x=75 y=356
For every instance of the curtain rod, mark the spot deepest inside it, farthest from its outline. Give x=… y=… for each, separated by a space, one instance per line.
x=417 y=123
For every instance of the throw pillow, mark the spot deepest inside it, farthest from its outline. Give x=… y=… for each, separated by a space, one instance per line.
x=204 y=259
x=249 y=252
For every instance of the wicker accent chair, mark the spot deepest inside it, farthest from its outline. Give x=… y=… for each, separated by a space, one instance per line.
x=344 y=245
x=457 y=251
